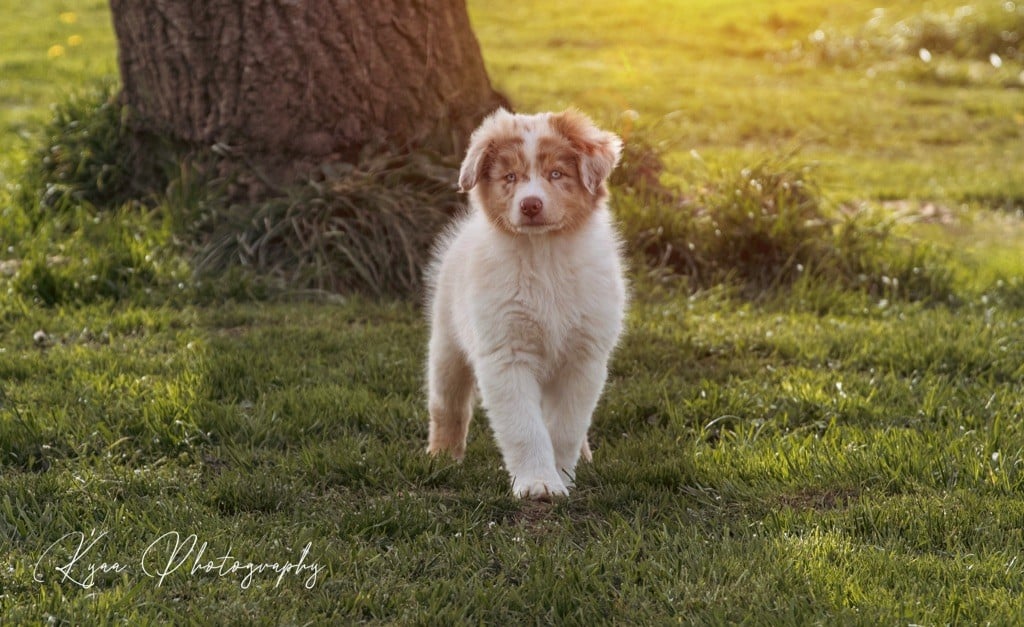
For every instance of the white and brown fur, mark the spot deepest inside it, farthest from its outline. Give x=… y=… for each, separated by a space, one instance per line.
x=527 y=296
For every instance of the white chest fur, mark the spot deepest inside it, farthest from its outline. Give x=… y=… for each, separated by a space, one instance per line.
x=538 y=300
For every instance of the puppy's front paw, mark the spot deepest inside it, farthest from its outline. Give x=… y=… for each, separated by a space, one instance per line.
x=456 y=450
x=539 y=489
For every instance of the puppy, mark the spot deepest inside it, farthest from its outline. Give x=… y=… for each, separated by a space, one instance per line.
x=527 y=296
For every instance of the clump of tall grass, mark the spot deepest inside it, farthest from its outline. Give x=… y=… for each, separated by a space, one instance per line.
x=84 y=222
x=89 y=155
x=765 y=226
x=365 y=227
x=975 y=32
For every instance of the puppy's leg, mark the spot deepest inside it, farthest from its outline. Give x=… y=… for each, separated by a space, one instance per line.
x=450 y=383
x=585 y=454
x=569 y=402
x=512 y=398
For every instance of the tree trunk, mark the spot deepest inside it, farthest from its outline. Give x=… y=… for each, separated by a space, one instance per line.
x=303 y=79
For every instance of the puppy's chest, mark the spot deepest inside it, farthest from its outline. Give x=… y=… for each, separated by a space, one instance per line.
x=548 y=311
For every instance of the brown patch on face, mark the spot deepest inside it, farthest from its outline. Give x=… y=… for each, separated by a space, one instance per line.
x=575 y=128
x=557 y=154
x=504 y=156
x=598 y=150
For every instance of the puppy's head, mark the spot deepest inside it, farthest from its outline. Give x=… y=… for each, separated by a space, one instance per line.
x=542 y=173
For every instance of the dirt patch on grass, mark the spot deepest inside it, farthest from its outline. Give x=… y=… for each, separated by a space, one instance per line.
x=532 y=515
x=819 y=499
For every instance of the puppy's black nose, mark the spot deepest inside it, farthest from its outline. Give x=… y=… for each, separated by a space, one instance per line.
x=531 y=206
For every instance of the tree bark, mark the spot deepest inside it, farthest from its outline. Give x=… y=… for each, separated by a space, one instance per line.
x=315 y=79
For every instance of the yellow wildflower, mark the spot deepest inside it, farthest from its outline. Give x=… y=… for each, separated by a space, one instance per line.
x=55 y=51
x=75 y=40
x=68 y=17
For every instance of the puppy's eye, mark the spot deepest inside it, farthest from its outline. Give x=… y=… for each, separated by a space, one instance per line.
x=555 y=174
x=510 y=177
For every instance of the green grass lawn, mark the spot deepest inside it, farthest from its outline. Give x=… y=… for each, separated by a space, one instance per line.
x=722 y=78
x=821 y=454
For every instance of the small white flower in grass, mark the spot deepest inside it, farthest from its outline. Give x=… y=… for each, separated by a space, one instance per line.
x=925 y=55
x=995 y=60
x=839 y=389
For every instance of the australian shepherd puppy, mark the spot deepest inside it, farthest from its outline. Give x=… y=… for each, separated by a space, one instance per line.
x=527 y=296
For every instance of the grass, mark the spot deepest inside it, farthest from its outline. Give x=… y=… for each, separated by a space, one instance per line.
x=368 y=228
x=823 y=452
x=721 y=78
x=47 y=46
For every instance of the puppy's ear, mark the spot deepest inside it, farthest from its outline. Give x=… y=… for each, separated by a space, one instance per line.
x=480 y=143
x=598 y=150
x=597 y=167
x=472 y=165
